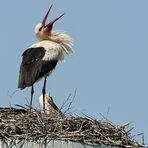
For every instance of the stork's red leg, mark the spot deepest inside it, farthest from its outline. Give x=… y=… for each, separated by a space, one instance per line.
x=32 y=92
x=44 y=93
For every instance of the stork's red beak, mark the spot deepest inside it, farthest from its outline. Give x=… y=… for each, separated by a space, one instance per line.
x=49 y=26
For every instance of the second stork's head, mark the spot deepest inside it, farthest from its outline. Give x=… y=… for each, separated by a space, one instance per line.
x=43 y=31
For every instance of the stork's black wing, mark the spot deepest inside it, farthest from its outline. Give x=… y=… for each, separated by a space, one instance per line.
x=33 y=67
x=32 y=55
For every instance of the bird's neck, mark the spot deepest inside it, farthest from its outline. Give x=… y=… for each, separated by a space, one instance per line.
x=61 y=38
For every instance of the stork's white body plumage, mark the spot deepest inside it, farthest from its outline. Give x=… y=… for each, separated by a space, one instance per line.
x=41 y=58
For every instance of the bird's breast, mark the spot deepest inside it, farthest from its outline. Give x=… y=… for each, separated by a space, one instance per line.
x=54 y=51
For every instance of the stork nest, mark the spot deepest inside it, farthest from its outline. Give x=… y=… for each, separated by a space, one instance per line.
x=19 y=124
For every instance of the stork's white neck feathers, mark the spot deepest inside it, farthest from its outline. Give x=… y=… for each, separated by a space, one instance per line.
x=58 y=37
x=63 y=39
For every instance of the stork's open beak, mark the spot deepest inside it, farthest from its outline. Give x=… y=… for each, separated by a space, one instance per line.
x=49 y=26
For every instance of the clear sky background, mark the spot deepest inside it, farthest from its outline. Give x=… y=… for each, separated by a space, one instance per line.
x=109 y=68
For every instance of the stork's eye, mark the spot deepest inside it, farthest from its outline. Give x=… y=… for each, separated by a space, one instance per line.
x=40 y=29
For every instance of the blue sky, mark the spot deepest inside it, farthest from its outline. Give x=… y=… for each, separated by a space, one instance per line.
x=109 y=68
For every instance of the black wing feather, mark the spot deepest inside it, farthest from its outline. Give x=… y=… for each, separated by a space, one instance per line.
x=33 y=67
x=32 y=55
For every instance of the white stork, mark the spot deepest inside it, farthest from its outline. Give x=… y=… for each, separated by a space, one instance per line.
x=50 y=107
x=41 y=58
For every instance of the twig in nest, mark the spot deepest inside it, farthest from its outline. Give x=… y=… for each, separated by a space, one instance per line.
x=68 y=102
x=107 y=120
x=11 y=96
x=127 y=132
x=142 y=136
x=17 y=105
x=65 y=102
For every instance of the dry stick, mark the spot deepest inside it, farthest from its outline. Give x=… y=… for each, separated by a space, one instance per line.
x=129 y=130
x=63 y=105
x=69 y=106
x=72 y=99
x=11 y=96
x=90 y=118
x=40 y=120
x=125 y=125
x=107 y=120
x=20 y=106
x=142 y=136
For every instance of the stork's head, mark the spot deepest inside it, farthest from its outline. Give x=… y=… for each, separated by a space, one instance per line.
x=43 y=30
x=50 y=106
